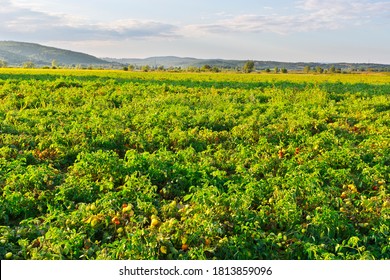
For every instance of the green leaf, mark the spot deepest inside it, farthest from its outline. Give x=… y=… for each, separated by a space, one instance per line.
x=187 y=197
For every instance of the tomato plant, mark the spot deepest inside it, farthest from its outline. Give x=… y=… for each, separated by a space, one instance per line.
x=114 y=165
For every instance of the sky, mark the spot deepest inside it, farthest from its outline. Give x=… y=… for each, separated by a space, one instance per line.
x=278 y=30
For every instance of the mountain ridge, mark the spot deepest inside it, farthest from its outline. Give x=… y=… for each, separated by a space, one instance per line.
x=17 y=53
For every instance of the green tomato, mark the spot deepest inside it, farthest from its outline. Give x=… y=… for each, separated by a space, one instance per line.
x=8 y=256
x=127 y=209
x=94 y=222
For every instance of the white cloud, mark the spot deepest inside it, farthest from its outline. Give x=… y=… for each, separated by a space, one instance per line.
x=309 y=15
x=18 y=21
x=28 y=22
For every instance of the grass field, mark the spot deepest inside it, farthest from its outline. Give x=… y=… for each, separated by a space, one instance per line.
x=130 y=165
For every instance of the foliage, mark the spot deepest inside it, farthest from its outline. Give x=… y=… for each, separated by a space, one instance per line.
x=249 y=66
x=151 y=165
x=28 y=64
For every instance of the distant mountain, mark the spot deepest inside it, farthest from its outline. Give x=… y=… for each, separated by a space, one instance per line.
x=17 y=53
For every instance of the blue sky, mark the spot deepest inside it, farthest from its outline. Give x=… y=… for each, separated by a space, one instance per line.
x=298 y=30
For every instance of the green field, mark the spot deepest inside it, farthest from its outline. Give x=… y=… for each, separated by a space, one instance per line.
x=120 y=165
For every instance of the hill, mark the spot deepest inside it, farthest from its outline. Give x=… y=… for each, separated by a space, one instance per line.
x=17 y=53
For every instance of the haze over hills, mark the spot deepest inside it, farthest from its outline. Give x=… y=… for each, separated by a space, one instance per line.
x=18 y=53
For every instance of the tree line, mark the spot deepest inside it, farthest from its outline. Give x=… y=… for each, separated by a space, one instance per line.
x=248 y=67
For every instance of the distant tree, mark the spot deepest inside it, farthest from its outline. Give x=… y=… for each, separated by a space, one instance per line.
x=131 y=67
x=215 y=69
x=276 y=70
x=54 y=64
x=3 y=64
x=125 y=68
x=307 y=69
x=319 y=70
x=284 y=70
x=205 y=68
x=192 y=69
x=267 y=70
x=332 y=69
x=161 y=68
x=249 y=66
x=145 y=68
x=28 y=64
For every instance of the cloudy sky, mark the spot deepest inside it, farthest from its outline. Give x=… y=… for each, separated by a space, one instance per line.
x=297 y=30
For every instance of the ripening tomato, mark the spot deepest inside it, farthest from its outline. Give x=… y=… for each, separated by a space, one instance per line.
x=127 y=209
x=164 y=250
x=115 y=220
x=154 y=222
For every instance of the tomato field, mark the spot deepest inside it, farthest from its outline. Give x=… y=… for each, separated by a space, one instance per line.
x=125 y=165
